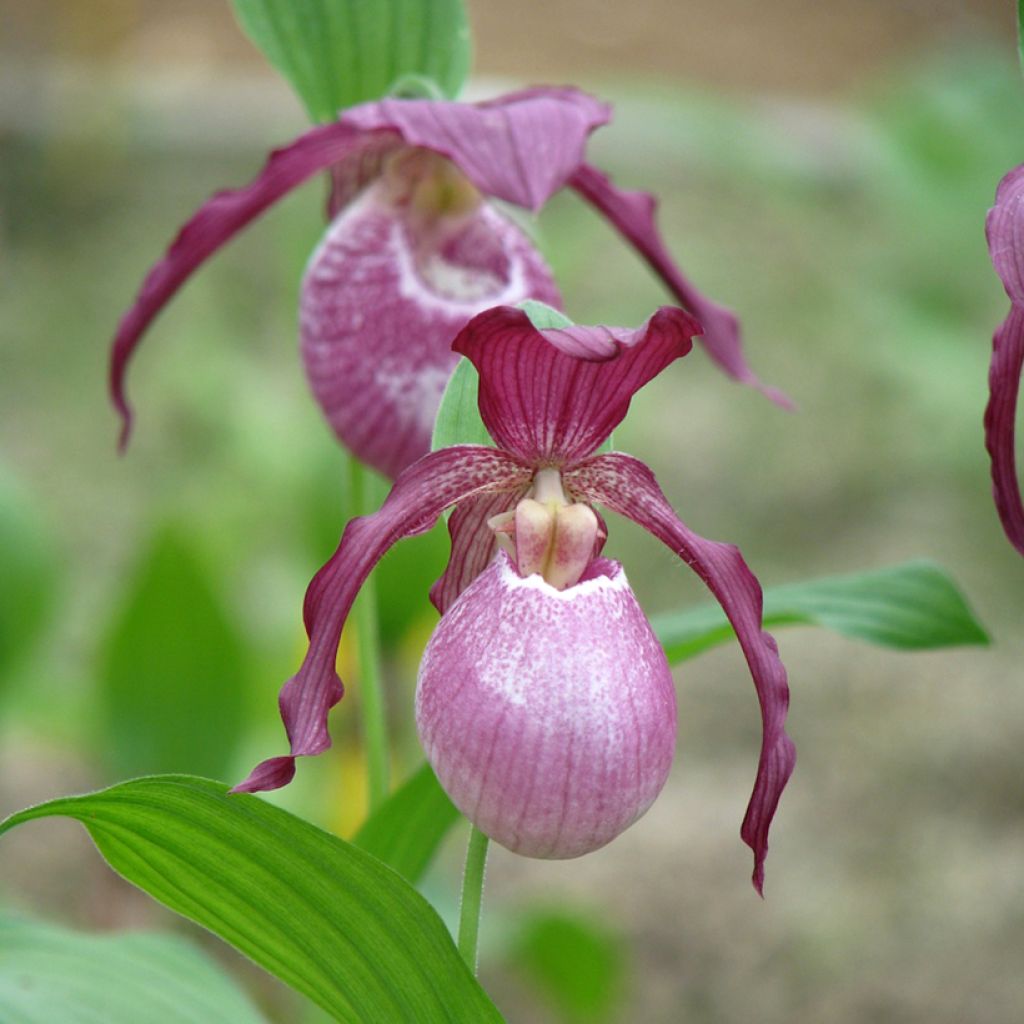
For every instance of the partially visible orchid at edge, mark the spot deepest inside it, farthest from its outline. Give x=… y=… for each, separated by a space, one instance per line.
x=415 y=248
x=1004 y=229
x=549 y=399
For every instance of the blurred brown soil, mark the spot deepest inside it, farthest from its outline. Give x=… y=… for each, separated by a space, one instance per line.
x=791 y=46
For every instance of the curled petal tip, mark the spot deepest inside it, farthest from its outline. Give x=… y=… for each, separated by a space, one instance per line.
x=124 y=435
x=273 y=773
x=780 y=398
x=758 y=879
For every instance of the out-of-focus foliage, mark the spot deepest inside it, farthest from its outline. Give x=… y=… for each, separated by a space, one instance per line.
x=575 y=961
x=28 y=575
x=50 y=974
x=173 y=683
x=337 y=53
x=321 y=915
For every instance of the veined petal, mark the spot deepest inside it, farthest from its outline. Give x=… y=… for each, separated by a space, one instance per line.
x=553 y=396
x=473 y=543
x=216 y=222
x=1000 y=419
x=521 y=147
x=379 y=310
x=632 y=215
x=1004 y=229
x=627 y=486
x=419 y=496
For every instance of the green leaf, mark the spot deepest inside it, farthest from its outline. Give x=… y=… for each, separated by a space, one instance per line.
x=914 y=606
x=458 y=418
x=337 y=53
x=576 y=963
x=50 y=975
x=323 y=916
x=173 y=686
x=28 y=575
x=406 y=830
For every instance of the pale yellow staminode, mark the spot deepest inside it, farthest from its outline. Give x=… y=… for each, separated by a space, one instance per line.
x=547 y=534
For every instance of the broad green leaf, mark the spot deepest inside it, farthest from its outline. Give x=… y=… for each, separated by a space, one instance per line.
x=173 y=685
x=50 y=975
x=458 y=418
x=914 y=606
x=320 y=914
x=337 y=53
x=28 y=575
x=576 y=963
x=406 y=830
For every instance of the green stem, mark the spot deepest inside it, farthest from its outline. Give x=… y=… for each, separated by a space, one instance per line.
x=375 y=726
x=472 y=896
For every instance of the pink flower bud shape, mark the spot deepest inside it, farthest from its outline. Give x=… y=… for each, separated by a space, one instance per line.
x=549 y=716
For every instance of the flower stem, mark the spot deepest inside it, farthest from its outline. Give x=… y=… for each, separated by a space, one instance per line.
x=472 y=896
x=375 y=727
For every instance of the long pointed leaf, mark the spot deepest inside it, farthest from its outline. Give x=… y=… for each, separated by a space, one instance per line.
x=28 y=574
x=323 y=916
x=914 y=606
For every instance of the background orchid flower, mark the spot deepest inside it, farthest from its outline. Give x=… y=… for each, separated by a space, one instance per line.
x=1004 y=229
x=549 y=399
x=415 y=249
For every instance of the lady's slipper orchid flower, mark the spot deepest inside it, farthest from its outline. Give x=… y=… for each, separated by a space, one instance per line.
x=415 y=249
x=1004 y=228
x=549 y=399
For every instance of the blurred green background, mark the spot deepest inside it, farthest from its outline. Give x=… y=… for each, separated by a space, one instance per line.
x=825 y=169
